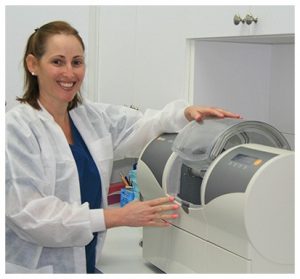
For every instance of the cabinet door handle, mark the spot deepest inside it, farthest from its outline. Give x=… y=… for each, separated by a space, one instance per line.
x=248 y=19
x=237 y=19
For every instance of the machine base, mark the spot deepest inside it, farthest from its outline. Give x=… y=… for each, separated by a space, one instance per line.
x=174 y=250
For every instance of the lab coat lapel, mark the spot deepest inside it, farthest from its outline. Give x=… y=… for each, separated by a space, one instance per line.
x=99 y=143
x=60 y=157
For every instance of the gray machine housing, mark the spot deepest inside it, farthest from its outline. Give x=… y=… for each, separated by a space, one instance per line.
x=234 y=180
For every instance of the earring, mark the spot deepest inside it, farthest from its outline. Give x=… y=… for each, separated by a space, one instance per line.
x=33 y=73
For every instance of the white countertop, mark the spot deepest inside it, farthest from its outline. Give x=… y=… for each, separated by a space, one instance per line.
x=123 y=254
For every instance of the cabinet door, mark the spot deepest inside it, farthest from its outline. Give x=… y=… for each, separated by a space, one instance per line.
x=163 y=34
x=145 y=51
x=273 y=20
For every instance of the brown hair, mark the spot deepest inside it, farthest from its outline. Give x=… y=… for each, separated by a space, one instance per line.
x=36 y=45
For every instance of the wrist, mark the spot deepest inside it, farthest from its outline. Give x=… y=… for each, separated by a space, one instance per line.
x=113 y=217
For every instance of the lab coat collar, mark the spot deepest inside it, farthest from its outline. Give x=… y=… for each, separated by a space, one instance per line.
x=44 y=114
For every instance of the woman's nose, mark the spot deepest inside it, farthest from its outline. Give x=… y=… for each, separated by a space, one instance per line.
x=69 y=70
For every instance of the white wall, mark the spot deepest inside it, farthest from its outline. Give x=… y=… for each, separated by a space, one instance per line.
x=226 y=75
x=253 y=79
x=20 y=23
x=282 y=88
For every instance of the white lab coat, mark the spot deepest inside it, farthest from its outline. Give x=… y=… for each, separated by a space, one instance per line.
x=47 y=227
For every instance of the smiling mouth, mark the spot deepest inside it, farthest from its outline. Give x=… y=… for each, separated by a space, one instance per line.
x=67 y=85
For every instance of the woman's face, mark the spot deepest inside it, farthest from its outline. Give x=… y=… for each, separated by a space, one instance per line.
x=61 y=69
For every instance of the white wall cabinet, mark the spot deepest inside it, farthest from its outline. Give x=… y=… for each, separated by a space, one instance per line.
x=273 y=20
x=144 y=58
x=152 y=55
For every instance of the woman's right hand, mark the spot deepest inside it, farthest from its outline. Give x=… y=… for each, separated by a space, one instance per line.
x=154 y=212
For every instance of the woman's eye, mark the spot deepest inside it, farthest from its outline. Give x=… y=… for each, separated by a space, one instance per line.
x=57 y=62
x=78 y=63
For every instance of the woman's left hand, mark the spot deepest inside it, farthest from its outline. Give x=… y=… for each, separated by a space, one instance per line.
x=198 y=113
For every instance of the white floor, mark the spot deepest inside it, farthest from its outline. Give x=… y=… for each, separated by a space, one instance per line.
x=123 y=254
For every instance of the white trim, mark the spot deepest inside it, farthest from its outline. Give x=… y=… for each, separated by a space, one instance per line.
x=94 y=54
x=189 y=76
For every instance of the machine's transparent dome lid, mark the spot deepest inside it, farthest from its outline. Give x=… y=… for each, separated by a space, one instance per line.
x=198 y=144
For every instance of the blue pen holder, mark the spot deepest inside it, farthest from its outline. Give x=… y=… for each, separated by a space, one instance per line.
x=127 y=195
x=132 y=178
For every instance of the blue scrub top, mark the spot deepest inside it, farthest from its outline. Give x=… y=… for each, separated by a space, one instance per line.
x=90 y=187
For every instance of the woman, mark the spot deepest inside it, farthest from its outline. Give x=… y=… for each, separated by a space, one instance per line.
x=59 y=154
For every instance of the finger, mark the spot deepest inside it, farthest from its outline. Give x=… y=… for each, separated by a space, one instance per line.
x=160 y=201
x=164 y=215
x=160 y=219
x=162 y=208
x=221 y=113
x=228 y=113
x=232 y=115
x=213 y=112
x=169 y=216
